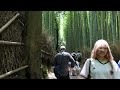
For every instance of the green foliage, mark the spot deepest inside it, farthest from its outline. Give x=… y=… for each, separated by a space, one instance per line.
x=81 y=29
x=44 y=71
x=51 y=24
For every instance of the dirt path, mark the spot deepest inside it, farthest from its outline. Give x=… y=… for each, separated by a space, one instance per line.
x=52 y=76
x=75 y=77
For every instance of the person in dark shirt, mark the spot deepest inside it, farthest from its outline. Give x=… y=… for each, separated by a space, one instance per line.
x=76 y=70
x=79 y=56
x=61 y=62
x=74 y=55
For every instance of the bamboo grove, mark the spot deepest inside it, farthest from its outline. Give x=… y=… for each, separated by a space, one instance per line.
x=83 y=28
x=50 y=26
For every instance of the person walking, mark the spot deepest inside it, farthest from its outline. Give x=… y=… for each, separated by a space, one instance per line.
x=61 y=63
x=79 y=56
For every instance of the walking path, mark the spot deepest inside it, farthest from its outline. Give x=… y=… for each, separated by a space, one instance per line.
x=75 y=77
x=52 y=76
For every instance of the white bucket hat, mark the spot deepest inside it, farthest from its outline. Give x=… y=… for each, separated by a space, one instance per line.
x=62 y=48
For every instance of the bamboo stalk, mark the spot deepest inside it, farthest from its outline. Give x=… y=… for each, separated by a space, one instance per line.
x=11 y=72
x=46 y=52
x=10 y=43
x=9 y=22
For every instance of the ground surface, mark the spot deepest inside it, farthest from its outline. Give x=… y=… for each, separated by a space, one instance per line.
x=52 y=76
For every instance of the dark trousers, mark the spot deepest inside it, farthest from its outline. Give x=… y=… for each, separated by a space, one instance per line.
x=64 y=77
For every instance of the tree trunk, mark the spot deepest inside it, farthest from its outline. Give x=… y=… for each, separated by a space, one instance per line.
x=33 y=39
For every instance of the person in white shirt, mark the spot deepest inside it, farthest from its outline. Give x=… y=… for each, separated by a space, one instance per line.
x=102 y=64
